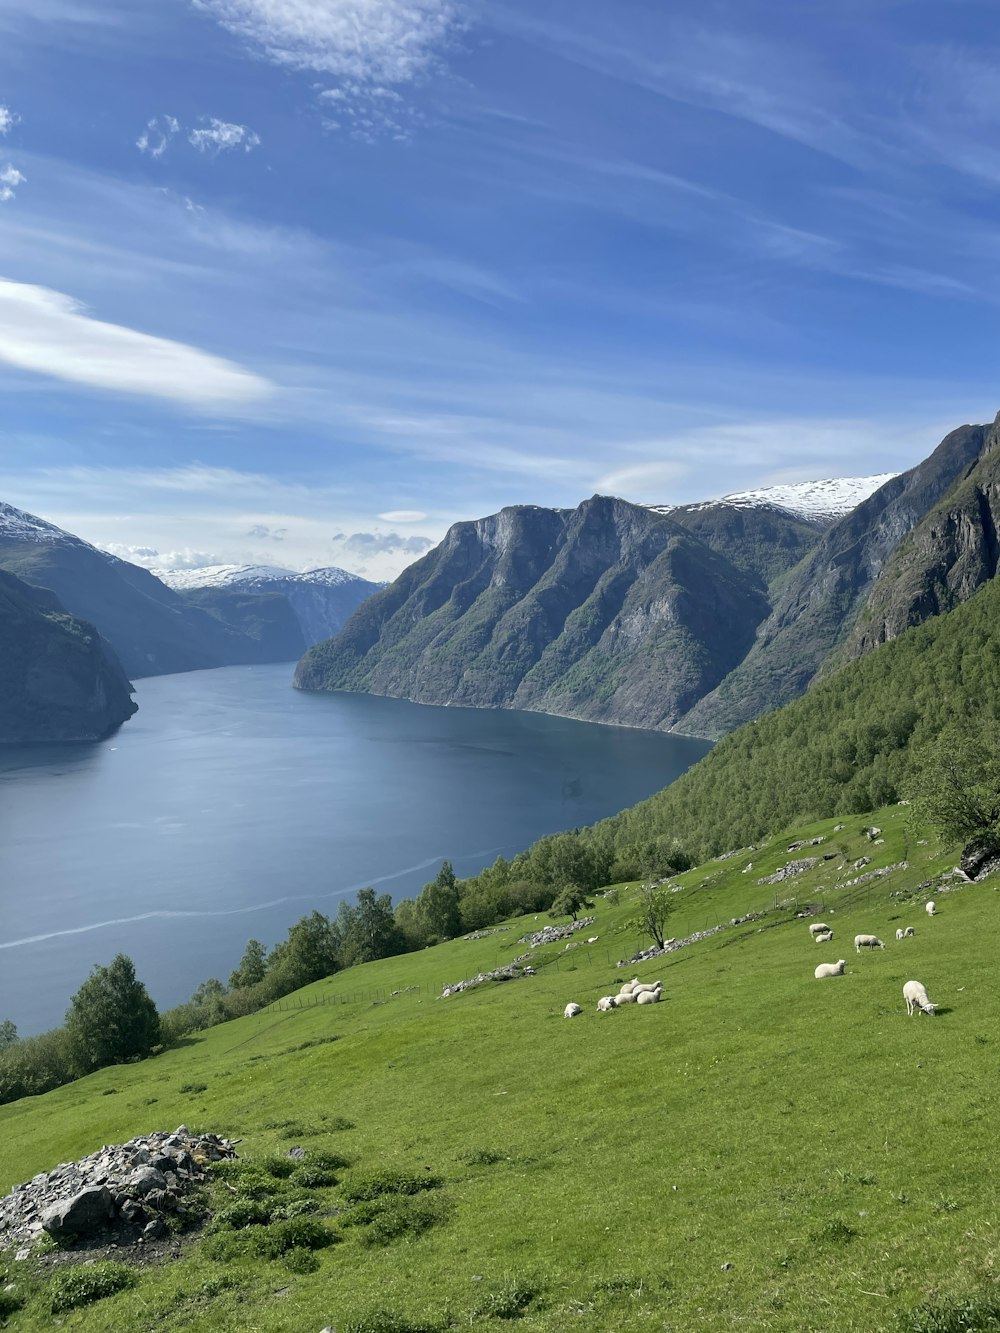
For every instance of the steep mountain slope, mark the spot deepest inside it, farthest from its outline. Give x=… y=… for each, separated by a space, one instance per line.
x=763 y=540
x=822 y=598
x=947 y=556
x=266 y=620
x=608 y=612
x=59 y=681
x=153 y=629
x=321 y=599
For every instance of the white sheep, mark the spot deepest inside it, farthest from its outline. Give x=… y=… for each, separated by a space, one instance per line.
x=572 y=1010
x=899 y=932
x=648 y=997
x=931 y=909
x=830 y=970
x=867 y=942
x=625 y=997
x=644 y=987
x=818 y=928
x=824 y=938
x=606 y=1003
x=909 y=933
x=915 y=995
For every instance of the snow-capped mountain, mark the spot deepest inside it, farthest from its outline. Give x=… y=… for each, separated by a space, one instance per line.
x=321 y=599
x=821 y=502
x=18 y=526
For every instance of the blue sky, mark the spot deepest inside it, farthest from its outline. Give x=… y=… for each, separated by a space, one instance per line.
x=304 y=281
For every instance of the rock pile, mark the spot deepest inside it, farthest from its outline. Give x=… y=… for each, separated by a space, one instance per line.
x=553 y=934
x=484 y=934
x=130 y=1186
x=791 y=868
x=644 y=955
x=872 y=874
x=509 y=972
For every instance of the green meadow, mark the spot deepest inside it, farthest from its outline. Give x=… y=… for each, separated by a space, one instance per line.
x=760 y=1151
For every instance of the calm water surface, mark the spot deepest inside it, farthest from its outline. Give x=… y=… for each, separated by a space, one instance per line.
x=231 y=805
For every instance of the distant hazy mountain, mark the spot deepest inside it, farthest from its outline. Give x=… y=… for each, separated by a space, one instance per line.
x=152 y=628
x=59 y=681
x=608 y=611
x=322 y=599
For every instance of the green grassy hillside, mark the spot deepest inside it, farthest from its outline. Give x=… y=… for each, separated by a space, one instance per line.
x=761 y=1151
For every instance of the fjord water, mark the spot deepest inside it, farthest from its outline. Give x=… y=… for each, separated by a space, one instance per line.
x=231 y=805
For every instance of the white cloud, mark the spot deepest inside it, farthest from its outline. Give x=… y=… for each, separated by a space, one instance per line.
x=49 y=333
x=373 y=41
x=403 y=516
x=8 y=119
x=367 y=544
x=222 y=135
x=155 y=138
x=10 y=179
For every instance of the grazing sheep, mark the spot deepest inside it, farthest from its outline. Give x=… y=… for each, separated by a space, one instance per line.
x=915 y=995
x=824 y=938
x=830 y=970
x=818 y=928
x=626 y=997
x=648 y=997
x=606 y=1003
x=572 y=1010
x=931 y=909
x=867 y=942
x=909 y=933
x=899 y=932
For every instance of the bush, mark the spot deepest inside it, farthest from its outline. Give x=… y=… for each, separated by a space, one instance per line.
x=297 y=1233
x=394 y=1217
x=309 y=1177
x=10 y=1303
x=976 y=1313
x=242 y=1213
x=384 y=1180
x=301 y=1261
x=508 y=1301
x=80 y=1285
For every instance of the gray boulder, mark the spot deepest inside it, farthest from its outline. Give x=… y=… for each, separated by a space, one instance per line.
x=79 y=1215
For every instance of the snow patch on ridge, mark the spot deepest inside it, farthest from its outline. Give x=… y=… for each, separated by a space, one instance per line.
x=814 y=501
x=17 y=525
x=250 y=576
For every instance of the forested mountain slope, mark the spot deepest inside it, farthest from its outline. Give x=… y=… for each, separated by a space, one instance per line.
x=821 y=600
x=59 y=681
x=608 y=612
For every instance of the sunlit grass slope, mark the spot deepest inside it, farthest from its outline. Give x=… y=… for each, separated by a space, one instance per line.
x=761 y=1151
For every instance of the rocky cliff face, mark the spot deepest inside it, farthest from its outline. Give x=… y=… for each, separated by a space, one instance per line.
x=951 y=553
x=823 y=596
x=608 y=612
x=59 y=681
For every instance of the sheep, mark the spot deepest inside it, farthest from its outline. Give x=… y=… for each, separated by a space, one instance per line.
x=625 y=997
x=915 y=995
x=909 y=933
x=648 y=997
x=818 y=927
x=645 y=986
x=867 y=942
x=606 y=1003
x=899 y=932
x=824 y=938
x=931 y=909
x=572 y=1010
x=830 y=970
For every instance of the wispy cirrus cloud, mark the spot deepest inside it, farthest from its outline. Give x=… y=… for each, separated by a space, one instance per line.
x=8 y=119
x=10 y=179
x=221 y=136
x=373 y=48
x=403 y=516
x=49 y=333
x=155 y=138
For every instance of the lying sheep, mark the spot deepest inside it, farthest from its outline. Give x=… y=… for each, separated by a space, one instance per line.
x=572 y=1010
x=824 y=938
x=606 y=1003
x=625 y=997
x=830 y=970
x=915 y=995
x=648 y=997
x=867 y=942
x=645 y=987
x=818 y=928
x=931 y=909
x=909 y=933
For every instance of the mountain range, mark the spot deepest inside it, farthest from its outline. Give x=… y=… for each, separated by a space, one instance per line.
x=694 y=618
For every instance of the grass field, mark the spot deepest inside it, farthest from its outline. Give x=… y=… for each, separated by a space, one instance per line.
x=761 y=1151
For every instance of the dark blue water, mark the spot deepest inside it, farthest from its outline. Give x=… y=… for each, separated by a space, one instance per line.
x=231 y=805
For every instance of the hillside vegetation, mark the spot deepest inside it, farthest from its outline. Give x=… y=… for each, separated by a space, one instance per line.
x=759 y=1151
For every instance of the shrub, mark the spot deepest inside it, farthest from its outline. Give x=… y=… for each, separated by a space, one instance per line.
x=302 y=1233
x=484 y=1157
x=976 y=1313
x=10 y=1303
x=508 y=1301
x=310 y=1177
x=192 y=1087
x=296 y=1208
x=301 y=1261
x=394 y=1217
x=242 y=1213
x=80 y=1285
x=384 y=1180
x=384 y=1321
x=279 y=1167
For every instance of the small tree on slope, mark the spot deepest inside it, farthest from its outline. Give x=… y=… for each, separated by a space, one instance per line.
x=653 y=911
x=111 y=1018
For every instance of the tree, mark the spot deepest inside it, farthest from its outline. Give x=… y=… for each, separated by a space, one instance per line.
x=111 y=1018
x=368 y=928
x=653 y=911
x=252 y=968
x=8 y=1034
x=438 y=905
x=311 y=951
x=568 y=901
x=956 y=787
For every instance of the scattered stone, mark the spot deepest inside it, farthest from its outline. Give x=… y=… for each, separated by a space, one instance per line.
x=554 y=934
x=81 y=1213
x=484 y=934
x=155 y=1229
x=297 y=1152
x=979 y=857
x=669 y=946
x=874 y=874
x=871 y=833
x=806 y=842
x=508 y=972
x=790 y=869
